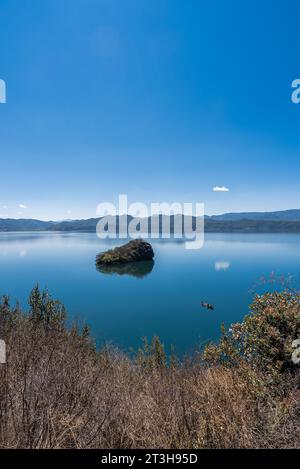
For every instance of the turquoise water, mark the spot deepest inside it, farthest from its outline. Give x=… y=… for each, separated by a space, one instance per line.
x=150 y=299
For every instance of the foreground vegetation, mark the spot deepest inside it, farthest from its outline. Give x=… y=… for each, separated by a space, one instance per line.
x=58 y=391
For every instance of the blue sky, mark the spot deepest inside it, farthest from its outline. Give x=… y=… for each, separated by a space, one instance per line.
x=160 y=99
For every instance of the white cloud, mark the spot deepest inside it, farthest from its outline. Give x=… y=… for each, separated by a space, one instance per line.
x=222 y=265
x=22 y=206
x=220 y=189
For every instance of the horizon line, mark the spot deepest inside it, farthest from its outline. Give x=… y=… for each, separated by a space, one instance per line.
x=165 y=214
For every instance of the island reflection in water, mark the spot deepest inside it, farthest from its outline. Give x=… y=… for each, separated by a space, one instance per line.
x=135 y=269
x=120 y=309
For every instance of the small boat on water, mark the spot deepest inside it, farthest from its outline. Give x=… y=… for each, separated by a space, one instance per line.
x=208 y=306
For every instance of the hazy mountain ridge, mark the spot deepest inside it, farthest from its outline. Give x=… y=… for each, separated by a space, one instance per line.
x=24 y=224
x=244 y=222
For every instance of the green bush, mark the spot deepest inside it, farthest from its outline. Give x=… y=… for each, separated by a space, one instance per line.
x=264 y=338
x=43 y=309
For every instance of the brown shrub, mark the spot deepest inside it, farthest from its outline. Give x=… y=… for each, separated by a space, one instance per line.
x=57 y=391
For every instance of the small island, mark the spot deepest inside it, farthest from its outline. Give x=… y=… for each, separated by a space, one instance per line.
x=134 y=251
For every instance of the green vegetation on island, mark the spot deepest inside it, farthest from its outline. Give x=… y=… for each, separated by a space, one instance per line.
x=136 y=250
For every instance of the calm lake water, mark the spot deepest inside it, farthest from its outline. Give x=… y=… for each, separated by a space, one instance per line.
x=160 y=299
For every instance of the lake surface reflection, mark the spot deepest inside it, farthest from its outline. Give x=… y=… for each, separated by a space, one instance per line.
x=124 y=303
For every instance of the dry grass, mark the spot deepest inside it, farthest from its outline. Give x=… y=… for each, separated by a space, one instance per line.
x=56 y=391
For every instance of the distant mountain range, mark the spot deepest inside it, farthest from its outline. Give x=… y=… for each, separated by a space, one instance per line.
x=287 y=221
x=285 y=215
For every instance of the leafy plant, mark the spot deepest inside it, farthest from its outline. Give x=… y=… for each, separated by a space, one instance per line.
x=264 y=338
